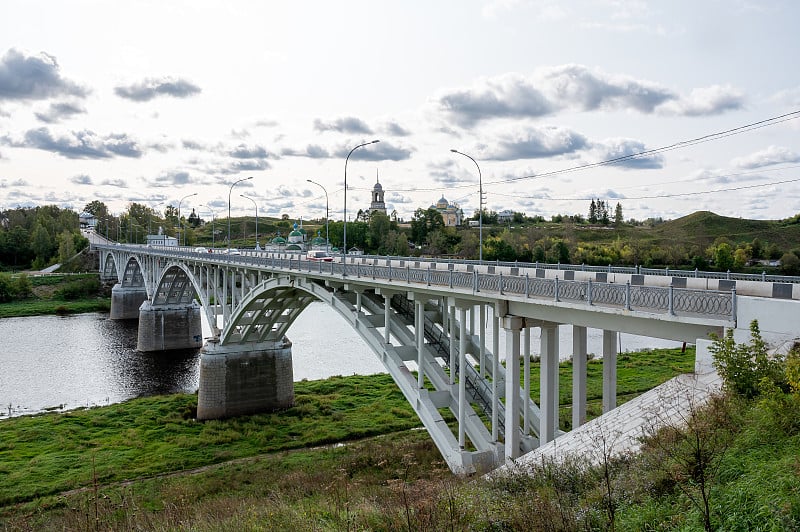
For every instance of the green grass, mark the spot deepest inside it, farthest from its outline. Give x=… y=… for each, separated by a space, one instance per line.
x=45 y=454
x=45 y=299
x=48 y=453
x=38 y=307
x=270 y=472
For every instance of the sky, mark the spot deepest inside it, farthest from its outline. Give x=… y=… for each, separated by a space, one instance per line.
x=666 y=108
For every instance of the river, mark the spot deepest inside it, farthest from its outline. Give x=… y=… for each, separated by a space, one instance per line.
x=61 y=363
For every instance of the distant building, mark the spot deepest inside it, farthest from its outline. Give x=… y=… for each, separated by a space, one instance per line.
x=377 y=204
x=452 y=215
x=87 y=220
x=161 y=240
x=296 y=241
x=505 y=217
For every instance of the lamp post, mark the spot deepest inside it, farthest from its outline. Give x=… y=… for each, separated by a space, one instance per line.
x=256 y=206
x=229 y=208
x=213 y=233
x=179 y=215
x=480 y=204
x=327 y=242
x=344 y=237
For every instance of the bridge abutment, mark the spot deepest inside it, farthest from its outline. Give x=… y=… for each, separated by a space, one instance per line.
x=244 y=379
x=125 y=302
x=164 y=328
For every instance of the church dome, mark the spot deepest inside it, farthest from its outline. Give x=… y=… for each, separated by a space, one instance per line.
x=318 y=240
x=377 y=187
x=442 y=203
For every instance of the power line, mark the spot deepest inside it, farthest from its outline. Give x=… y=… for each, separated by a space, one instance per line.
x=616 y=160
x=658 y=196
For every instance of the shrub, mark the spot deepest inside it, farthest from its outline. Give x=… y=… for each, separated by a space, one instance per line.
x=793 y=369
x=79 y=289
x=743 y=366
x=7 y=291
x=23 y=286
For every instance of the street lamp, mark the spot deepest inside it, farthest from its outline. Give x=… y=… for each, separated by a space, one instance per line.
x=344 y=239
x=256 y=206
x=229 y=208
x=327 y=242
x=179 y=215
x=480 y=205
x=212 y=226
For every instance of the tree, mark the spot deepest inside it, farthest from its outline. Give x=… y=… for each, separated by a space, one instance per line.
x=378 y=228
x=602 y=212
x=592 y=212
x=723 y=256
x=618 y=219
x=66 y=247
x=42 y=246
x=743 y=366
x=790 y=264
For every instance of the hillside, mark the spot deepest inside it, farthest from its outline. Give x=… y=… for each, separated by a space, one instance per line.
x=703 y=227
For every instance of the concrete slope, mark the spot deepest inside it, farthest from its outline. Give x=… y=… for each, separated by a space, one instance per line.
x=619 y=431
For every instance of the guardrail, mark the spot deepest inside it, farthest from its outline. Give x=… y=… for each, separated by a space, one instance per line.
x=674 y=301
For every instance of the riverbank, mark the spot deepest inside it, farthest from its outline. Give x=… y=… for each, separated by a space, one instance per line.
x=351 y=455
x=43 y=455
x=57 y=294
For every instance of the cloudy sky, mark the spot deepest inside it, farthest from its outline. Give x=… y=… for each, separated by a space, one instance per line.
x=664 y=107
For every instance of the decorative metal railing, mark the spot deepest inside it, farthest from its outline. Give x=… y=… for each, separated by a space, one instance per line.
x=676 y=301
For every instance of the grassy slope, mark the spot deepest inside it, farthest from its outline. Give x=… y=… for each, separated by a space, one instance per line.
x=389 y=482
x=46 y=454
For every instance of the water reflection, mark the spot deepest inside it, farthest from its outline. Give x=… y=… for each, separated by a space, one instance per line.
x=140 y=374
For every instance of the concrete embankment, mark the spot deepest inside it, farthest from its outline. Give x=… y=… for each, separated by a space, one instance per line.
x=620 y=430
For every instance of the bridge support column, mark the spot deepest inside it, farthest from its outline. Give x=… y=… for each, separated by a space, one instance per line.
x=452 y=323
x=482 y=336
x=419 y=336
x=244 y=379
x=125 y=301
x=496 y=385
x=462 y=375
x=512 y=325
x=548 y=398
x=168 y=327
x=526 y=379
x=578 y=376
x=609 y=370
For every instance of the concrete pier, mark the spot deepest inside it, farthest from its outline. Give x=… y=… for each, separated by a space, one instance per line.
x=244 y=379
x=165 y=328
x=125 y=302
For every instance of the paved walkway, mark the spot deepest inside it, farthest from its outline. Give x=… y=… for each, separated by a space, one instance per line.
x=620 y=430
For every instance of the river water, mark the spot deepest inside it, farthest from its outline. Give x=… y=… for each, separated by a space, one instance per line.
x=60 y=363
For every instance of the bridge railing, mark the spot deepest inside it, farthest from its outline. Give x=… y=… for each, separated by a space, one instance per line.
x=703 y=303
x=522 y=267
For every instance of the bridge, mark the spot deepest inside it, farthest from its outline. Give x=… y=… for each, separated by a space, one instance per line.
x=426 y=321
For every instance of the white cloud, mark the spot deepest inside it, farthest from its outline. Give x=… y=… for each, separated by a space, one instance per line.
x=767 y=157
x=706 y=101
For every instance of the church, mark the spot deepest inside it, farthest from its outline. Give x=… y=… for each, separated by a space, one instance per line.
x=452 y=215
x=377 y=204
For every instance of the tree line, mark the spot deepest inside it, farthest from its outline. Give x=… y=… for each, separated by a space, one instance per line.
x=36 y=237
x=32 y=238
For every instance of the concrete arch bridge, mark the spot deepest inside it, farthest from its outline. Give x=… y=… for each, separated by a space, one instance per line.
x=426 y=322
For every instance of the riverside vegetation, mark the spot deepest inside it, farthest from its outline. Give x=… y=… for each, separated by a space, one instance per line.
x=28 y=295
x=350 y=455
